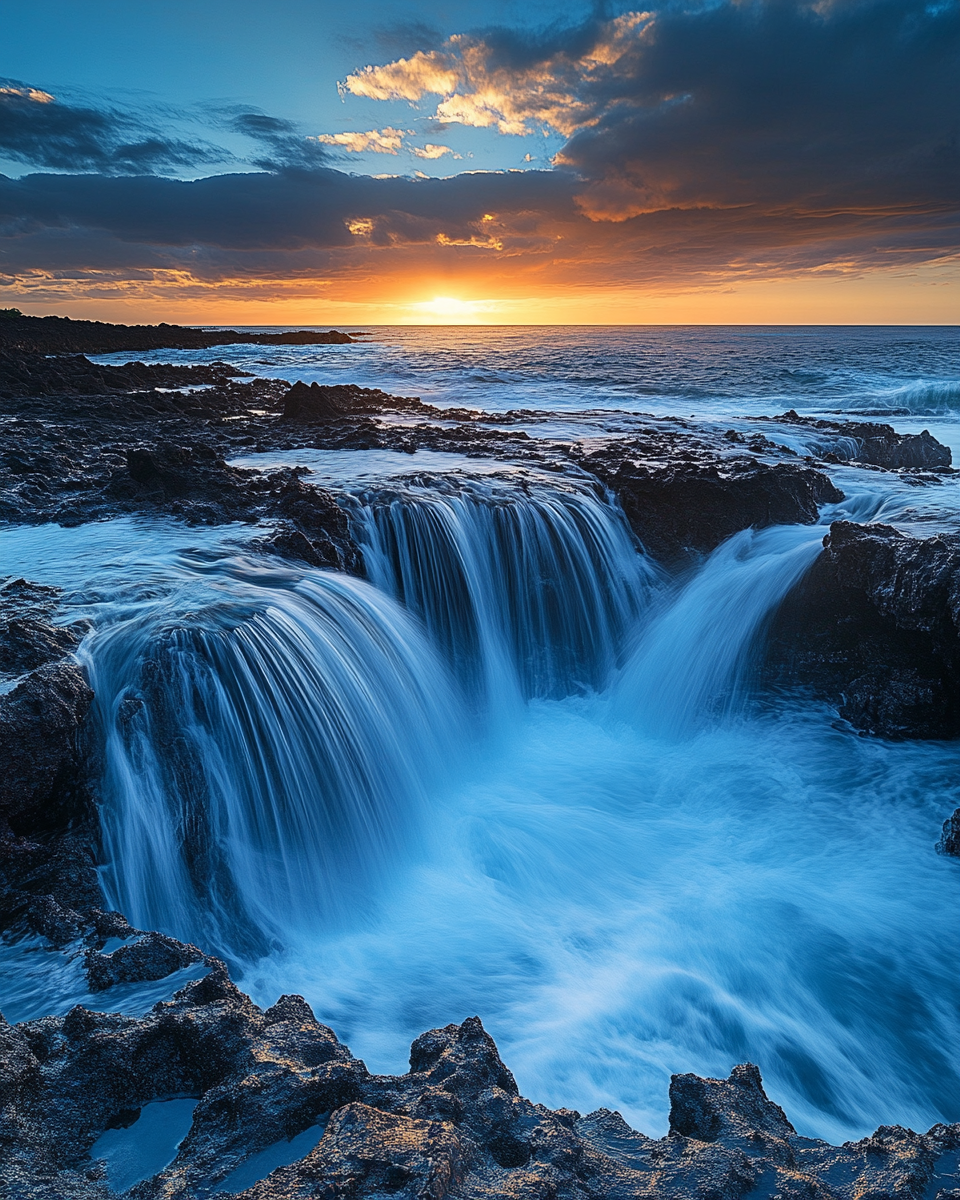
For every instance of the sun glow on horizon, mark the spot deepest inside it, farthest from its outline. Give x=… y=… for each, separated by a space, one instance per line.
x=450 y=309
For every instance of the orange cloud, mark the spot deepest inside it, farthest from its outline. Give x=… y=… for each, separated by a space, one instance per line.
x=377 y=141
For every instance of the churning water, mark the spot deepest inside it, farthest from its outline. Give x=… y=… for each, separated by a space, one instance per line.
x=518 y=772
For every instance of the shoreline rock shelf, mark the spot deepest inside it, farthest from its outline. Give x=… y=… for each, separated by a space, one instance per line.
x=454 y=1125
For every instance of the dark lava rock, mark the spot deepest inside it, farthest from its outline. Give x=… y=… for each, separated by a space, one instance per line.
x=23 y=375
x=39 y=722
x=874 y=627
x=950 y=838
x=454 y=1125
x=879 y=445
x=327 y=402
x=679 y=509
x=61 y=335
x=153 y=956
x=47 y=824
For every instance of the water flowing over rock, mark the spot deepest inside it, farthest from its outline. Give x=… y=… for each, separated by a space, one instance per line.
x=679 y=509
x=290 y=674
x=867 y=442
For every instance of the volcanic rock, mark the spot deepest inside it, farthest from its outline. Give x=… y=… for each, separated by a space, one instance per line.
x=61 y=335
x=153 y=956
x=879 y=445
x=681 y=509
x=327 y=402
x=454 y=1125
x=874 y=627
x=950 y=838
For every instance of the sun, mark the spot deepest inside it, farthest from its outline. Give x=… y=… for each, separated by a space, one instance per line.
x=449 y=308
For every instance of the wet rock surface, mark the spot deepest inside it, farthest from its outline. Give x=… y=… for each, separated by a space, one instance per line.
x=874 y=628
x=684 y=508
x=949 y=842
x=878 y=445
x=453 y=1125
x=47 y=821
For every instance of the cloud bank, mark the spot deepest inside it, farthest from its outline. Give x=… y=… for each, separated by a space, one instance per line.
x=702 y=143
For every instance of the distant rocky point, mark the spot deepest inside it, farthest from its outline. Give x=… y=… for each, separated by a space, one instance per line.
x=62 y=335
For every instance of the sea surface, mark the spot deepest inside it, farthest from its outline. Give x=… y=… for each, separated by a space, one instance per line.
x=519 y=771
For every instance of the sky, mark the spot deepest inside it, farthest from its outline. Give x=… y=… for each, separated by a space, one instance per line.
x=305 y=162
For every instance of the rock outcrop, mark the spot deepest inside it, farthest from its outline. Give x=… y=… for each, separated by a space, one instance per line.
x=949 y=842
x=327 y=402
x=682 y=509
x=874 y=627
x=61 y=335
x=453 y=1125
x=877 y=445
x=47 y=822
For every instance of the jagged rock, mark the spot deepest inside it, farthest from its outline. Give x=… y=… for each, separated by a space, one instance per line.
x=184 y=473
x=39 y=722
x=314 y=514
x=454 y=1125
x=950 y=838
x=874 y=627
x=879 y=445
x=327 y=402
x=153 y=956
x=681 y=509
x=39 y=375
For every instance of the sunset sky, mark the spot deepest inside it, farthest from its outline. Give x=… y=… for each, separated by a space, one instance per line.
x=317 y=163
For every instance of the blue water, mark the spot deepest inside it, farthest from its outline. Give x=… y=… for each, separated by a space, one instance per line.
x=521 y=772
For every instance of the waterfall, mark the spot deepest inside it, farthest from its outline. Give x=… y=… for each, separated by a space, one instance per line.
x=694 y=658
x=265 y=754
x=527 y=590
x=271 y=734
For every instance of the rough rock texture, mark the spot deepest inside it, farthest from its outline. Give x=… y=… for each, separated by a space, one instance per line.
x=152 y=956
x=47 y=821
x=42 y=707
x=37 y=375
x=950 y=838
x=61 y=335
x=879 y=445
x=454 y=1125
x=326 y=402
x=874 y=627
x=682 y=508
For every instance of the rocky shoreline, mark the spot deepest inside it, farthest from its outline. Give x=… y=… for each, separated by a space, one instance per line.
x=873 y=630
x=454 y=1124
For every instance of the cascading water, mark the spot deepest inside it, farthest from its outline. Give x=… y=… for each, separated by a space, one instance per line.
x=693 y=661
x=634 y=874
x=266 y=754
x=529 y=589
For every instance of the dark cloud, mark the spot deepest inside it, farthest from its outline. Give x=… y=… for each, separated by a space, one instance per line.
x=41 y=131
x=730 y=139
x=282 y=144
x=781 y=104
x=279 y=211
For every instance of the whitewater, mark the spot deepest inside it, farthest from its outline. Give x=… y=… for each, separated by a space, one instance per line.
x=519 y=770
